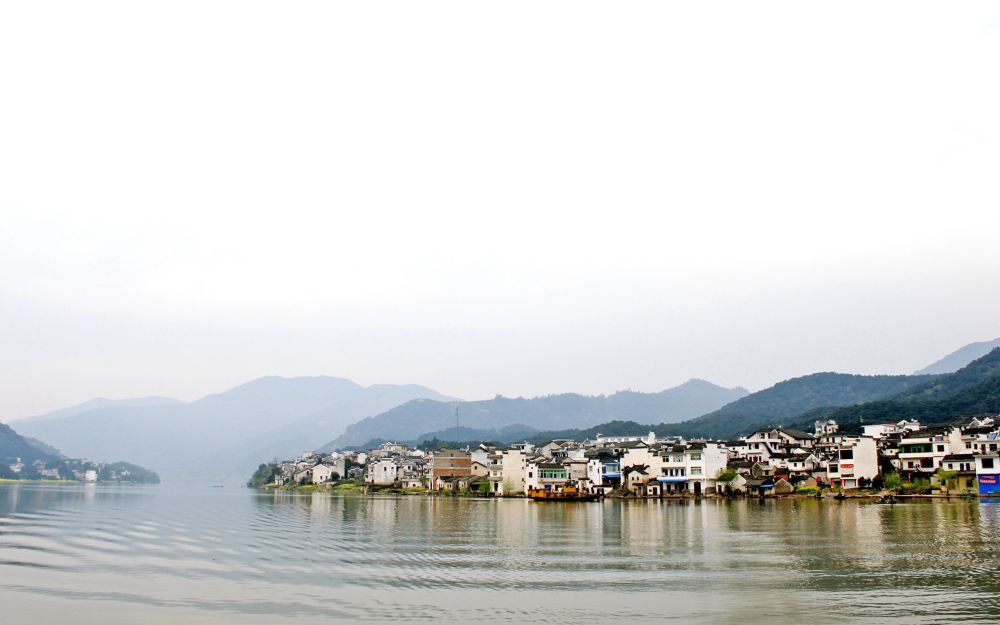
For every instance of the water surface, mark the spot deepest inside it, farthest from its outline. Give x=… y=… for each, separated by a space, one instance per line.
x=158 y=555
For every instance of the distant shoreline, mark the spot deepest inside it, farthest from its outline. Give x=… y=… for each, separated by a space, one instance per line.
x=4 y=481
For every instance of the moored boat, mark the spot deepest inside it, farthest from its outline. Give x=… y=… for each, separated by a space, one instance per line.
x=566 y=493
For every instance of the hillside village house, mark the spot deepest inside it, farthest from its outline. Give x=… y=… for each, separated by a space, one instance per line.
x=855 y=464
x=763 y=444
x=964 y=468
x=886 y=430
x=449 y=463
x=921 y=451
x=382 y=472
x=322 y=473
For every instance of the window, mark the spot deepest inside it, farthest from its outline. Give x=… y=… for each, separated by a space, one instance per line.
x=695 y=470
x=847 y=454
x=834 y=468
x=695 y=456
x=993 y=447
x=940 y=447
x=926 y=463
x=987 y=463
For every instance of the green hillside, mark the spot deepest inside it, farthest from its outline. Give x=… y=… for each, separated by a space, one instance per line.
x=786 y=401
x=972 y=390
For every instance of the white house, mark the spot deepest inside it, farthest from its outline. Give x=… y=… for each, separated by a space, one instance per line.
x=382 y=472
x=853 y=462
x=704 y=463
x=884 y=430
x=922 y=451
x=322 y=473
x=508 y=471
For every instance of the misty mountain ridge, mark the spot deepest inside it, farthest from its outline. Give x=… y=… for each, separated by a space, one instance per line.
x=222 y=435
x=960 y=357
x=98 y=402
x=415 y=419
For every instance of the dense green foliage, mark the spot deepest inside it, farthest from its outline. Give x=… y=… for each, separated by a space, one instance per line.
x=264 y=474
x=727 y=475
x=893 y=482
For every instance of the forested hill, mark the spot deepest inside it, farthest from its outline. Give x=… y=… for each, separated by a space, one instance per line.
x=785 y=401
x=14 y=446
x=972 y=390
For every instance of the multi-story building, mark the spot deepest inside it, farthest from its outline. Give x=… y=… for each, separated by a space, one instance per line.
x=921 y=452
x=450 y=463
x=382 y=472
x=854 y=464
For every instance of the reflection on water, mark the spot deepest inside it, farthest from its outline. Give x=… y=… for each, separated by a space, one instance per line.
x=88 y=555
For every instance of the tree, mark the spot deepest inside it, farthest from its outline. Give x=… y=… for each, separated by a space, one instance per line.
x=726 y=476
x=893 y=482
x=264 y=474
x=484 y=487
x=943 y=477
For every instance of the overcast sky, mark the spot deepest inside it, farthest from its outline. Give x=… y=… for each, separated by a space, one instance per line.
x=517 y=197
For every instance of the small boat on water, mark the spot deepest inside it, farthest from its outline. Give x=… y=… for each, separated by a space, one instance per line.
x=566 y=493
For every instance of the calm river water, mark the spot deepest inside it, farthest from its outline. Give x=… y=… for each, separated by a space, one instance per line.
x=158 y=555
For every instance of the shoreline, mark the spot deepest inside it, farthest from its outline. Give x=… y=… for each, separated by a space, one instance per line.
x=860 y=497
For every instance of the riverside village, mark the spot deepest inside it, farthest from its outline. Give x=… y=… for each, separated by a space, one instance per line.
x=888 y=460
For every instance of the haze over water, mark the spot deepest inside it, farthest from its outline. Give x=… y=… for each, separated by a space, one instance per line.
x=165 y=555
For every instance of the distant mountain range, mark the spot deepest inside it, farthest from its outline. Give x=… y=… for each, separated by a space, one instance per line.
x=960 y=357
x=426 y=418
x=223 y=435
x=227 y=434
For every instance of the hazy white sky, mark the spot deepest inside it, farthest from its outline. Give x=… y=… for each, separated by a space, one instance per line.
x=516 y=197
